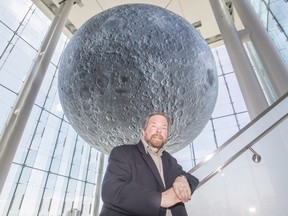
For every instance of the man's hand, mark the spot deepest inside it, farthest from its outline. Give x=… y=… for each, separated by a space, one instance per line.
x=169 y=198
x=182 y=189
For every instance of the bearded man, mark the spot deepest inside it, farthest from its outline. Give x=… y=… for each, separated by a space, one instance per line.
x=145 y=180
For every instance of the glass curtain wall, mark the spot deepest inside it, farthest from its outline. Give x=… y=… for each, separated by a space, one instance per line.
x=54 y=171
x=274 y=16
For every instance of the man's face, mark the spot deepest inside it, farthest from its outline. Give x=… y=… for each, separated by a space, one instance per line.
x=156 y=132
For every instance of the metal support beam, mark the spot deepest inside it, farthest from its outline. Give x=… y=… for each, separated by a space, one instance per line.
x=98 y=185
x=276 y=69
x=250 y=87
x=15 y=125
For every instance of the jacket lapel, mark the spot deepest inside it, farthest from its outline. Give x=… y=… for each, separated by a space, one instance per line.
x=147 y=158
x=166 y=166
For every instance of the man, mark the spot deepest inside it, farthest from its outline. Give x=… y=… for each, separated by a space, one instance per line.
x=145 y=180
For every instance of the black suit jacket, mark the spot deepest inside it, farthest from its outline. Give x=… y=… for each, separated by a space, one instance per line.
x=132 y=184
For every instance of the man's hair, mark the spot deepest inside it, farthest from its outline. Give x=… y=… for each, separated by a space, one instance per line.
x=145 y=122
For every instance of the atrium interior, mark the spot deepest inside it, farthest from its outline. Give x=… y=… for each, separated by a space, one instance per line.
x=240 y=156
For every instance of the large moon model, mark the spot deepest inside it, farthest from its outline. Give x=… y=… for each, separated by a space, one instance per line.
x=131 y=60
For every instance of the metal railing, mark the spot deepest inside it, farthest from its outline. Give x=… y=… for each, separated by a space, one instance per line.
x=256 y=157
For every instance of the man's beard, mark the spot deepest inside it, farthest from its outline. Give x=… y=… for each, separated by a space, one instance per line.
x=156 y=143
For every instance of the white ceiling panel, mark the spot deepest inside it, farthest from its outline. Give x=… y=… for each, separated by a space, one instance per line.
x=194 y=11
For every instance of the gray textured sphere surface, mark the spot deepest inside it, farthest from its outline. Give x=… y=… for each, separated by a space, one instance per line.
x=129 y=61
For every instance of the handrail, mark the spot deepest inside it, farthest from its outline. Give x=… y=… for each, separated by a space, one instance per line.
x=242 y=150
